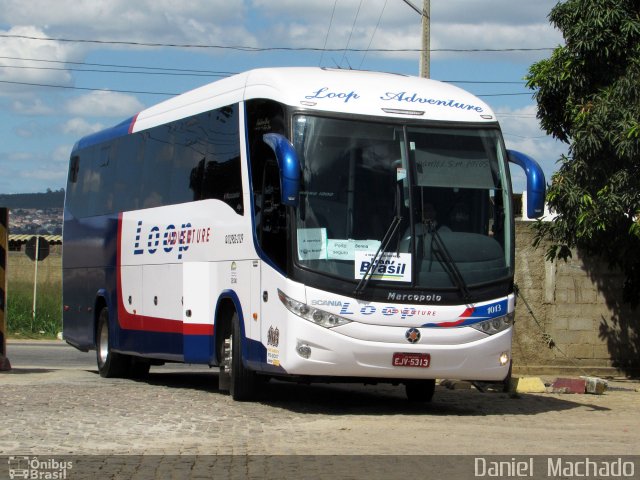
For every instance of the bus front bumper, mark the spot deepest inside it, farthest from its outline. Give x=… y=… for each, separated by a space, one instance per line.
x=452 y=353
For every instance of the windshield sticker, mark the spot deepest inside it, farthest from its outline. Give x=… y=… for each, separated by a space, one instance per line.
x=340 y=249
x=390 y=267
x=312 y=244
x=443 y=169
x=343 y=249
x=401 y=173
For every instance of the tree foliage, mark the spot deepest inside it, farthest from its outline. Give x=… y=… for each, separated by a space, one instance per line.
x=588 y=95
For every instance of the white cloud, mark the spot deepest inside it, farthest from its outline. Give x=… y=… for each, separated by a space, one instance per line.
x=104 y=104
x=522 y=132
x=61 y=156
x=196 y=21
x=33 y=106
x=34 y=172
x=16 y=66
x=454 y=24
x=79 y=127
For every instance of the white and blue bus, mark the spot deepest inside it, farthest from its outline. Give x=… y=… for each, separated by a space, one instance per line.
x=298 y=223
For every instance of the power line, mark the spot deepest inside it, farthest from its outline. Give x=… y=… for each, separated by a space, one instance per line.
x=139 y=67
x=89 y=70
x=503 y=94
x=353 y=26
x=523 y=136
x=486 y=81
x=374 y=33
x=191 y=71
x=246 y=48
x=69 y=87
x=326 y=38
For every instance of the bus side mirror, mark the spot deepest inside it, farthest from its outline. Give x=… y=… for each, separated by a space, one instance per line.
x=536 y=187
x=289 y=167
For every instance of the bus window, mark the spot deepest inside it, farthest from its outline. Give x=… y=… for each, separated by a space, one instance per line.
x=128 y=181
x=219 y=174
x=158 y=160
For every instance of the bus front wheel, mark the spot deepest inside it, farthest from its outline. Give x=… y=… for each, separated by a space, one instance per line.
x=242 y=380
x=110 y=364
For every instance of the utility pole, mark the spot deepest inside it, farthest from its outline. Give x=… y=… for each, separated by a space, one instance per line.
x=425 y=58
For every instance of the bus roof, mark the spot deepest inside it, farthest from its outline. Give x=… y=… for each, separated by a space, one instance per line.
x=317 y=89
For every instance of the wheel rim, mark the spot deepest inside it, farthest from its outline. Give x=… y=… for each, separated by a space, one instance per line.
x=229 y=355
x=103 y=345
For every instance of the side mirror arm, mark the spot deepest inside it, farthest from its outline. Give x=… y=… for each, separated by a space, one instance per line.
x=536 y=187
x=289 y=167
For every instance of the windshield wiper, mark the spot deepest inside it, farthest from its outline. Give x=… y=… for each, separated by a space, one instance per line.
x=389 y=234
x=447 y=261
x=384 y=244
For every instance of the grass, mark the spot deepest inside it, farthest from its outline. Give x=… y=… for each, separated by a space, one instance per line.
x=48 y=319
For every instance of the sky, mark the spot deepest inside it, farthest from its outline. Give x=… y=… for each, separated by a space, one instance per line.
x=69 y=68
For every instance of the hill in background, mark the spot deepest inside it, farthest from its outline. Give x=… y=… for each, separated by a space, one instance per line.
x=48 y=199
x=34 y=213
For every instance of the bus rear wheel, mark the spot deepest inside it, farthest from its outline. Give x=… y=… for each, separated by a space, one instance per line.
x=420 y=390
x=110 y=364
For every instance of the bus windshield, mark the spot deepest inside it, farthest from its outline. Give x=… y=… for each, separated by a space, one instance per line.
x=440 y=195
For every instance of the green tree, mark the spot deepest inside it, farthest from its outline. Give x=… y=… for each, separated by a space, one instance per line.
x=588 y=95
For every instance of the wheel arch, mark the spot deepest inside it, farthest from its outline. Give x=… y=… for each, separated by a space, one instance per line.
x=228 y=303
x=101 y=301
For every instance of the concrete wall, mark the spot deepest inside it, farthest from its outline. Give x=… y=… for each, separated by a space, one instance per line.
x=582 y=325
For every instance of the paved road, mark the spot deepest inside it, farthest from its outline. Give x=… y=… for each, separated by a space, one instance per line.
x=54 y=403
x=54 y=354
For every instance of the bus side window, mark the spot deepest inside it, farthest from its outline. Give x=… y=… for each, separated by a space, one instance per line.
x=219 y=172
x=74 y=167
x=129 y=168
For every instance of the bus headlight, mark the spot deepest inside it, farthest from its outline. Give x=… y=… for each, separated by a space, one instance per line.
x=495 y=325
x=312 y=314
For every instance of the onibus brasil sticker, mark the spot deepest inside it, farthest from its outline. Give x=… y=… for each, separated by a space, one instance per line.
x=390 y=267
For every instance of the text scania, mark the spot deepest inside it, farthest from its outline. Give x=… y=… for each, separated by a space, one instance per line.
x=415 y=98
x=169 y=238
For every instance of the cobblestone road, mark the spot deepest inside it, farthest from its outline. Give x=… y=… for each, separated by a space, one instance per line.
x=72 y=410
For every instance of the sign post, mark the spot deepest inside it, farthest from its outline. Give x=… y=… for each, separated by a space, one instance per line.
x=37 y=249
x=4 y=237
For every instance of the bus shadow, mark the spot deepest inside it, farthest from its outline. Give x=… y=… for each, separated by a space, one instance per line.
x=350 y=399
x=382 y=399
x=23 y=371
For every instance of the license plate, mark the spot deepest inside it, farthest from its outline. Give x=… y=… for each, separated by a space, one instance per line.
x=420 y=360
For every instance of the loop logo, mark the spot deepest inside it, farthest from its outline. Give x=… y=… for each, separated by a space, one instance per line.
x=168 y=238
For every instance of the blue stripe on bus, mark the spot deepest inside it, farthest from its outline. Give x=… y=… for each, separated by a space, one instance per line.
x=119 y=130
x=475 y=315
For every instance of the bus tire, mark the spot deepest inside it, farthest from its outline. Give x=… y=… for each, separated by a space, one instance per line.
x=242 y=381
x=110 y=364
x=506 y=383
x=420 y=390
